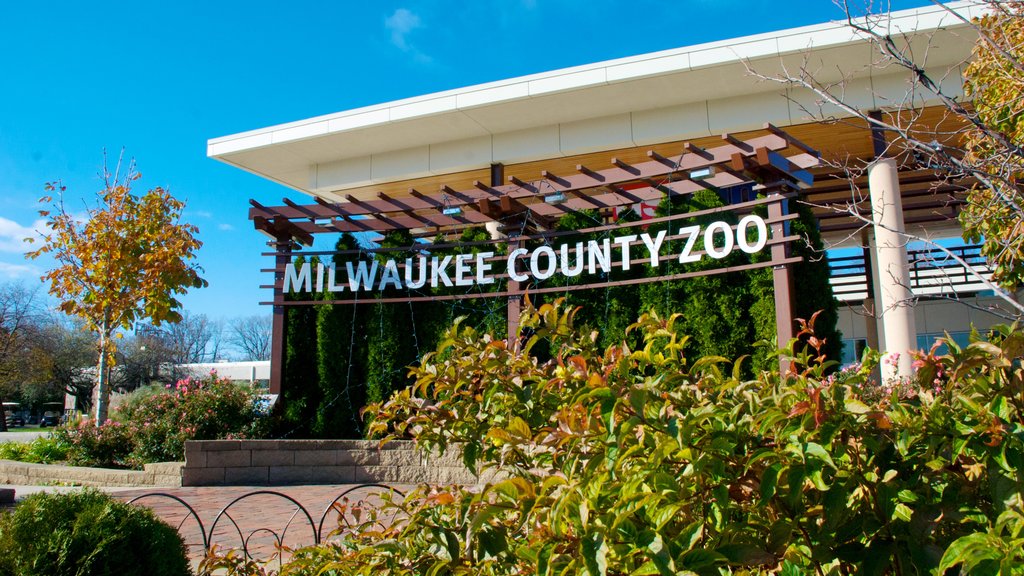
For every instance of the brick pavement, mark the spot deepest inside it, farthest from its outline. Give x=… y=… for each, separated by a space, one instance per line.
x=256 y=520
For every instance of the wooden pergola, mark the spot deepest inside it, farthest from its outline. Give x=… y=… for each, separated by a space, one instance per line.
x=519 y=209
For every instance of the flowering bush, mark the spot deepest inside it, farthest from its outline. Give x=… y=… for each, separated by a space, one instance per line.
x=645 y=461
x=154 y=427
x=107 y=446
x=192 y=409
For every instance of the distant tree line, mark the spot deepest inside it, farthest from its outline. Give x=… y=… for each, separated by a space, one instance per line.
x=45 y=354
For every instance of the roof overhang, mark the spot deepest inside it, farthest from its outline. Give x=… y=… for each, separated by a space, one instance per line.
x=659 y=97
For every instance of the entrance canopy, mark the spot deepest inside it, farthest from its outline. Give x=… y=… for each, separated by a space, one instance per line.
x=773 y=157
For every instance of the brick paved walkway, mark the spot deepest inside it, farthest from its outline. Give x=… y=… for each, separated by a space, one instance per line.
x=255 y=520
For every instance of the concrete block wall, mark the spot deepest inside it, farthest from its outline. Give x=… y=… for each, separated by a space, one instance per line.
x=164 y=474
x=280 y=462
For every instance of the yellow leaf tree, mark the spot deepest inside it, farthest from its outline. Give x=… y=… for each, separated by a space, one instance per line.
x=994 y=82
x=124 y=260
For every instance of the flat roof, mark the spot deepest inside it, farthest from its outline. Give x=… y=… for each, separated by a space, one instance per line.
x=477 y=125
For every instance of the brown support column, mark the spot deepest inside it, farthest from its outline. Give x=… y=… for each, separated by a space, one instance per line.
x=870 y=269
x=515 y=301
x=782 y=275
x=284 y=256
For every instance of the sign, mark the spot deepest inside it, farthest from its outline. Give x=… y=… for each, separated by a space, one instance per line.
x=716 y=241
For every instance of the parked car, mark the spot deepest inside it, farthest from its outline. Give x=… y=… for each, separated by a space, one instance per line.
x=52 y=412
x=11 y=415
x=49 y=418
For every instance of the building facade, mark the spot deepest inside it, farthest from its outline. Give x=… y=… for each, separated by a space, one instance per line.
x=897 y=294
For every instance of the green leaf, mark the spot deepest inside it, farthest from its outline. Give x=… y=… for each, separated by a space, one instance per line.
x=492 y=543
x=769 y=481
x=819 y=453
x=970 y=550
x=660 y=556
x=544 y=558
x=902 y=512
x=595 y=554
x=469 y=456
x=746 y=555
x=854 y=406
x=907 y=496
x=691 y=535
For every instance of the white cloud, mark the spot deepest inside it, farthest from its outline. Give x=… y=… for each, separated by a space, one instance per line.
x=204 y=214
x=401 y=23
x=12 y=235
x=13 y=271
x=225 y=227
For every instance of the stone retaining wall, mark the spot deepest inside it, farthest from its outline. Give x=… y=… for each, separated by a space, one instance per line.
x=278 y=462
x=164 y=474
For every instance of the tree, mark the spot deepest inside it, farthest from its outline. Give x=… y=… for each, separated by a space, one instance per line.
x=62 y=353
x=194 y=339
x=18 y=309
x=124 y=262
x=979 y=142
x=994 y=82
x=251 y=336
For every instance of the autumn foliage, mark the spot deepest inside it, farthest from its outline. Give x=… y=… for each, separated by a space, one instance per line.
x=994 y=82
x=642 y=460
x=124 y=260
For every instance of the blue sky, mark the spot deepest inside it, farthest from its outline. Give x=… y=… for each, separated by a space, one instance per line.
x=159 y=79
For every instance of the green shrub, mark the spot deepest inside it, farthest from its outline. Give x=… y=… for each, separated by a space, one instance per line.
x=107 y=446
x=41 y=450
x=644 y=461
x=87 y=533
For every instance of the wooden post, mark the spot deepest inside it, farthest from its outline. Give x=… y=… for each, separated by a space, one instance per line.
x=515 y=301
x=782 y=274
x=284 y=256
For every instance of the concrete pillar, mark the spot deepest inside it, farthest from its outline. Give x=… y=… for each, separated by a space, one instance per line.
x=895 y=304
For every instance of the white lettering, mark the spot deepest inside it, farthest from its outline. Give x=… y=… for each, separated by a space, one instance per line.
x=462 y=277
x=566 y=270
x=302 y=280
x=535 y=259
x=511 y=265
x=599 y=254
x=331 y=285
x=419 y=282
x=654 y=246
x=623 y=242
x=361 y=277
x=390 y=276
x=483 y=267
x=596 y=256
x=685 y=257
x=741 y=233
x=438 y=271
x=709 y=240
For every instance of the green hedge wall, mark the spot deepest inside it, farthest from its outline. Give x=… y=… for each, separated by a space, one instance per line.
x=341 y=357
